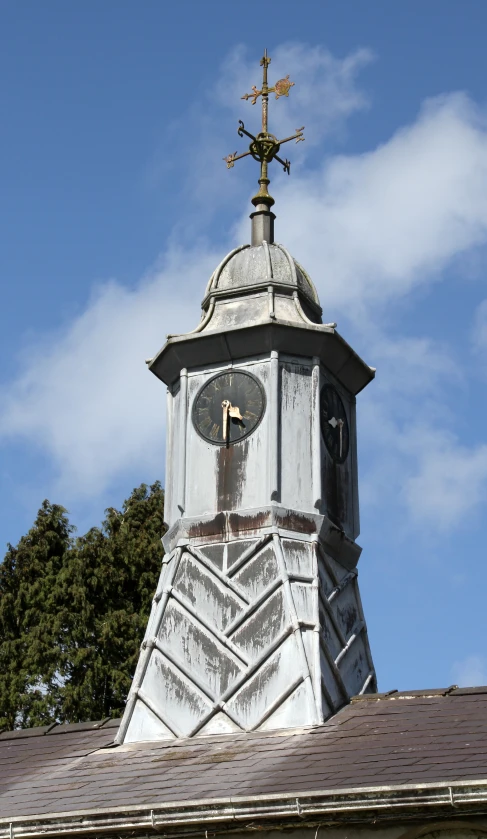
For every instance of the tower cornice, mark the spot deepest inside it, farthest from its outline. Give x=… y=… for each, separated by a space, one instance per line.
x=213 y=347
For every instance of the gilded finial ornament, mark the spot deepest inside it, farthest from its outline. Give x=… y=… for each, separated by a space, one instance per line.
x=265 y=146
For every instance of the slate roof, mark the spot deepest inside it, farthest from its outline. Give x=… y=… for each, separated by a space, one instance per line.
x=377 y=742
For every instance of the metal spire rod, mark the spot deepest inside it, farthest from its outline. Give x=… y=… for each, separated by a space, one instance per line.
x=265 y=146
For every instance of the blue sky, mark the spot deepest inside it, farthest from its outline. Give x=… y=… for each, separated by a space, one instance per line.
x=116 y=206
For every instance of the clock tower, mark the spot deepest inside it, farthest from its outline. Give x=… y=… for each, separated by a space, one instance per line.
x=256 y=623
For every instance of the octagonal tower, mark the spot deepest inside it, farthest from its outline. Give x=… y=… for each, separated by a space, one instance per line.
x=257 y=621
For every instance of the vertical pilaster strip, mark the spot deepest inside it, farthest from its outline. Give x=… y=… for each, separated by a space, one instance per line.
x=183 y=416
x=316 y=434
x=168 y=488
x=296 y=626
x=274 y=422
x=270 y=301
x=316 y=631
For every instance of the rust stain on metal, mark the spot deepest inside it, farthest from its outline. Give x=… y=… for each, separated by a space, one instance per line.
x=240 y=523
x=297 y=522
x=231 y=466
x=212 y=527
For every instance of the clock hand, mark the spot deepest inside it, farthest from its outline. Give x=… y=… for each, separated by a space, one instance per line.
x=225 y=405
x=229 y=410
x=340 y=423
x=233 y=411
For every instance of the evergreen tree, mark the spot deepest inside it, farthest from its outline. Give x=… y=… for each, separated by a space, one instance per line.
x=28 y=655
x=107 y=588
x=73 y=612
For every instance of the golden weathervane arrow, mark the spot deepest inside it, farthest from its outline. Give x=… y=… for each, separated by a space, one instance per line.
x=265 y=146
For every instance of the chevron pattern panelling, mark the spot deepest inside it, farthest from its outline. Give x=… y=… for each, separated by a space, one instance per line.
x=254 y=634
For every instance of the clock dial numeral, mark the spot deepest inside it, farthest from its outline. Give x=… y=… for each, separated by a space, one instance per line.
x=334 y=424
x=228 y=407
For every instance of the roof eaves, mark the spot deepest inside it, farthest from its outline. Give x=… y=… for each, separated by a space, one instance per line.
x=382 y=803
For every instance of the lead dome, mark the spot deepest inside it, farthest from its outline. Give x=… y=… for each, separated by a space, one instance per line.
x=258 y=282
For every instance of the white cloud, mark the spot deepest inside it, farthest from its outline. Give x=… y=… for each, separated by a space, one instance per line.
x=370 y=229
x=324 y=95
x=471 y=671
x=450 y=480
x=407 y=425
x=85 y=395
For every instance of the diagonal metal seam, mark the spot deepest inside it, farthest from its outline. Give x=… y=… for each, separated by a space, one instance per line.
x=256 y=666
x=249 y=554
x=199 y=557
x=144 y=659
x=224 y=643
x=253 y=607
x=147 y=701
x=232 y=689
x=334 y=706
x=183 y=670
x=358 y=631
x=274 y=706
x=362 y=618
x=162 y=577
x=216 y=633
x=225 y=698
x=195 y=683
x=334 y=669
x=333 y=619
x=367 y=682
x=342 y=585
x=218 y=708
x=305 y=669
x=326 y=563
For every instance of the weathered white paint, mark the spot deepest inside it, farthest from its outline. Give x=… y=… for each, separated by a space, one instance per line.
x=276 y=637
x=255 y=624
x=182 y=444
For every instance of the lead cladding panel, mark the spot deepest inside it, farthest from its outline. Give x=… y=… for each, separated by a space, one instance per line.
x=243 y=311
x=339 y=480
x=171 y=512
x=227 y=478
x=296 y=437
x=146 y=726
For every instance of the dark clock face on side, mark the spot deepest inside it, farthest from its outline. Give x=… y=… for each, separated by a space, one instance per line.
x=334 y=424
x=228 y=407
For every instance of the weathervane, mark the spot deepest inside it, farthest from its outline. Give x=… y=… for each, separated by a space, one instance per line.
x=265 y=146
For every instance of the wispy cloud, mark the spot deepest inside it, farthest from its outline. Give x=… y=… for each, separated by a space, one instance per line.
x=470 y=671
x=84 y=394
x=326 y=90
x=370 y=228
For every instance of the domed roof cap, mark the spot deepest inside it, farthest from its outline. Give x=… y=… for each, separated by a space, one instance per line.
x=253 y=268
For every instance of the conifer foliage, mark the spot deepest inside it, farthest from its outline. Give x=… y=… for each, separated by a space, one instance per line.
x=73 y=612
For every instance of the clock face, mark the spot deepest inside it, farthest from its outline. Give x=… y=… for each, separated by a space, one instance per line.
x=334 y=424
x=228 y=407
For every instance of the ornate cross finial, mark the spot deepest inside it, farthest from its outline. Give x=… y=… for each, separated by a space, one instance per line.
x=265 y=147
